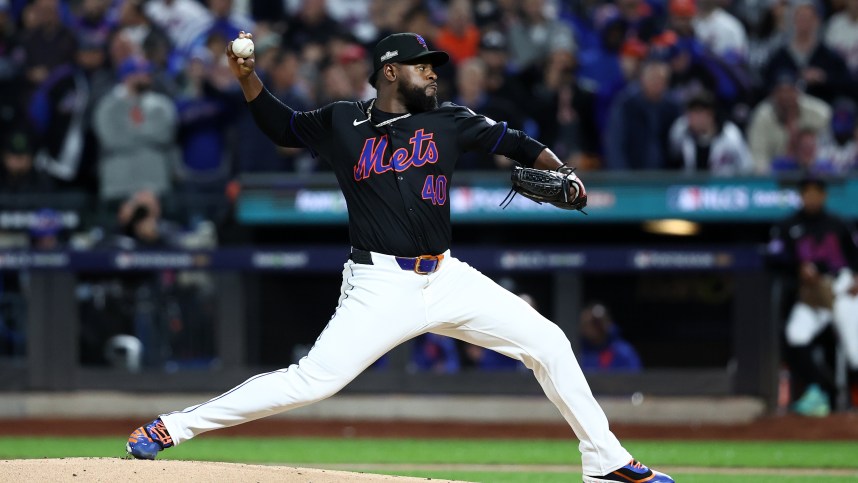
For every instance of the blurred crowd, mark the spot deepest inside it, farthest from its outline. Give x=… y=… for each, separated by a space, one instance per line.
x=132 y=100
x=117 y=96
x=600 y=347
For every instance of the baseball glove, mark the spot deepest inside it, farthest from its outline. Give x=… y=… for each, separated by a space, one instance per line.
x=561 y=188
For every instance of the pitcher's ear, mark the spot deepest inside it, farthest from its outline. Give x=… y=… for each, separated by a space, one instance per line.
x=390 y=72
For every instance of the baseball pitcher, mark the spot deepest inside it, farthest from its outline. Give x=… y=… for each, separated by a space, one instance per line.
x=393 y=158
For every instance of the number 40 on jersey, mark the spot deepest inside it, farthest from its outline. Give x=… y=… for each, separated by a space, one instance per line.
x=435 y=189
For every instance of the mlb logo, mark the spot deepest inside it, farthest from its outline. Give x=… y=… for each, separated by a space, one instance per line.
x=684 y=198
x=421 y=41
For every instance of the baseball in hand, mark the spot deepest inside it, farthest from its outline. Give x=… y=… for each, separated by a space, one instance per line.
x=242 y=47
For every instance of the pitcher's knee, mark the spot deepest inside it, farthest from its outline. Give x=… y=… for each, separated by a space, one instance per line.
x=803 y=325
x=310 y=382
x=553 y=343
x=324 y=388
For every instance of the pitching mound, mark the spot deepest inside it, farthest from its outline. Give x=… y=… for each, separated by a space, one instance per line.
x=116 y=469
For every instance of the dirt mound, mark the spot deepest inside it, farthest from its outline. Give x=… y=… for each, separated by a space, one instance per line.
x=117 y=469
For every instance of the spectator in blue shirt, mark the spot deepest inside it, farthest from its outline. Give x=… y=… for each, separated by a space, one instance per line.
x=204 y=115
x=602 y=348
x=804 y=156
x=602 y=67
x=435 y=353
x=640 y=120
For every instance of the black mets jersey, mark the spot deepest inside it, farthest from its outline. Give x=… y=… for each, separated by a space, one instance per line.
x=395 y=170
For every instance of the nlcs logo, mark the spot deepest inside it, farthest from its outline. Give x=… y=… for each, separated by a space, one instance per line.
x=423 y=150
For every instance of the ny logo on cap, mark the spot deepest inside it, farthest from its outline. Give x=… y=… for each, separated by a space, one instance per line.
x=389 y=54
x=422 y=42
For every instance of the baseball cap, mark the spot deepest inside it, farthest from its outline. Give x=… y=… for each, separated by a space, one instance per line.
x=92 y=40
x=18 y=142
x=134 y=65
x=351 y=53
x=682 y=8
x=785 y=77
x=701 y=100
x=403 y=47
x=633 y=47
x=493 y=40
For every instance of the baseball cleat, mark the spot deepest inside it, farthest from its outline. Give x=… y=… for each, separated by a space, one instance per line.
x=634 y=472
x=813 y=403
x=146 y=441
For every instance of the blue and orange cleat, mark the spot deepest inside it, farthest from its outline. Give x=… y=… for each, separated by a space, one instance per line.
x=146 y=441
x=634 y=472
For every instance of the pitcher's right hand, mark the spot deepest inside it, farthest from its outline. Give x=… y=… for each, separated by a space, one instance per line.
x=242 y=68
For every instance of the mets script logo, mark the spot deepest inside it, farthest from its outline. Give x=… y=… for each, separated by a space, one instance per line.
x=423 y=150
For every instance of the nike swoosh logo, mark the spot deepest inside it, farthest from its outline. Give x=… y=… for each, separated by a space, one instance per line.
x=356 y=122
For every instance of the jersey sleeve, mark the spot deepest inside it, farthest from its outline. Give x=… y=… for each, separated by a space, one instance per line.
x=312 y=128
x=290 y=128
x=480 y=133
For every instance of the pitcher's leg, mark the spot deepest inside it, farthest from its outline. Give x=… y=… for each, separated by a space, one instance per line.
x=805 y=323
x=485 y=314
x=368 y=322
x=846 y=322
x=261 y=395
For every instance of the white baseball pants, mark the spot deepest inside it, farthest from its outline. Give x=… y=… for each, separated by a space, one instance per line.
x=806 y=322
x=382 y=306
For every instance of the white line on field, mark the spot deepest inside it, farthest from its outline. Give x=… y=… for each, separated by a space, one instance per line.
x=577 y=469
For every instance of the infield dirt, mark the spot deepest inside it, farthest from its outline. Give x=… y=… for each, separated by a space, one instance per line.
x=117 y=469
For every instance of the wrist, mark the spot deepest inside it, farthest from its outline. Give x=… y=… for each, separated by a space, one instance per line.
x=565 y=169
x=251 y=86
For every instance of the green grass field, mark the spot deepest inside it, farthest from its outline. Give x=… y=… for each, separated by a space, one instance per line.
x=489 y=460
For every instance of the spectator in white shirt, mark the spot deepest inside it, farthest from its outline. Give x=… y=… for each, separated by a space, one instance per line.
x=536 y=35
x=177 y=17
x=222 y=20
x=777 y=120
x=720 y=31
x=700 y=141
x=841 y=35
